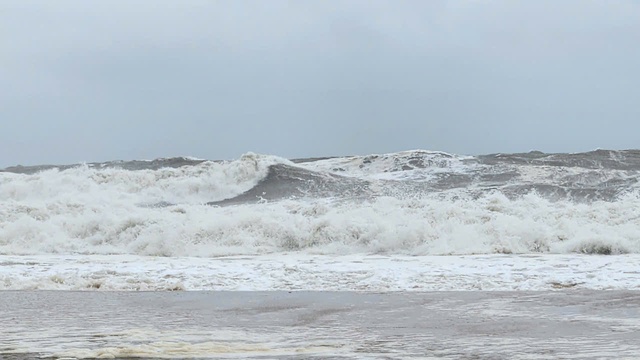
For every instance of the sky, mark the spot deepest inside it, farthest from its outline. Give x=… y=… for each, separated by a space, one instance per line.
x=125 y=79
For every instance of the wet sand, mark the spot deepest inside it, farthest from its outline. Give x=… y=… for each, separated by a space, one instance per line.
x=567 y=324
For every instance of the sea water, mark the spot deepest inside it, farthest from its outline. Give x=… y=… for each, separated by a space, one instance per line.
x=409 y=222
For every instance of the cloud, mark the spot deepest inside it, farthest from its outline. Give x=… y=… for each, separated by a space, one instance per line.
x=123 y=79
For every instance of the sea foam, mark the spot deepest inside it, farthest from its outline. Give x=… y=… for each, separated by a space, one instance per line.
x=411 y=203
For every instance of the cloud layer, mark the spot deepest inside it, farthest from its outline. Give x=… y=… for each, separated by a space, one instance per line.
x=91 y=81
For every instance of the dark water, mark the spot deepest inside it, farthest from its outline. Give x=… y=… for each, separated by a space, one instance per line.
x=286 y=182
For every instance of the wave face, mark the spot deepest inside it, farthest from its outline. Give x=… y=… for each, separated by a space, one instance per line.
x=413 y=202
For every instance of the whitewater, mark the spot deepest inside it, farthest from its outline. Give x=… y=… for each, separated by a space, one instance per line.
x=408 y=221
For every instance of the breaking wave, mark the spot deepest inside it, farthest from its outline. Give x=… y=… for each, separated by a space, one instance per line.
x=414 y=202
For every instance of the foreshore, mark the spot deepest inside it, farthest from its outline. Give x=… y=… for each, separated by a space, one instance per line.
x=341 y=325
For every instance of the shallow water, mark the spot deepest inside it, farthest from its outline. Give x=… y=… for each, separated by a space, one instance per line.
x=343 y=325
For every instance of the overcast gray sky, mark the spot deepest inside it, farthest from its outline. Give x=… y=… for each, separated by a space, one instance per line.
x=96 y=80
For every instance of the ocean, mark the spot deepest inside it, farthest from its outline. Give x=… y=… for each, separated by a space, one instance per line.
x=414 y=222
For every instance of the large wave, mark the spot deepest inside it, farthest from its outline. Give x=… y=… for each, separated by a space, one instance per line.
x=414 y=202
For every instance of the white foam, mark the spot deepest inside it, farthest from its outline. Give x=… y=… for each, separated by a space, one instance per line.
x=110 y=223
x=207 y=181
x=394 y=166
x=320 y=272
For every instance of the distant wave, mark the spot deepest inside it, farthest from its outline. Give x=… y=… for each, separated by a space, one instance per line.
x=597 y=175
x=156 y=164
